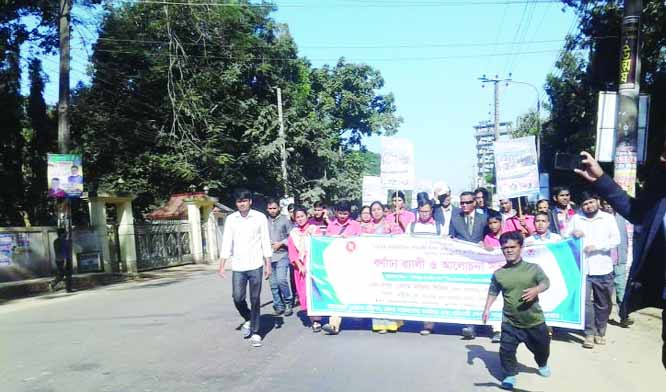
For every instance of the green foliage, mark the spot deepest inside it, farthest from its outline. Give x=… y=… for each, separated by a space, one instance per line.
x=573 y=94
x=184 y=96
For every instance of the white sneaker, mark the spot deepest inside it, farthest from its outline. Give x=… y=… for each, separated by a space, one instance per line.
x=255 y=340
x=245 y=330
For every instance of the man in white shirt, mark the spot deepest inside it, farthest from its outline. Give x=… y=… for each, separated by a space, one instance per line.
x=600 y=235
x=542 y=232
x=247 y=244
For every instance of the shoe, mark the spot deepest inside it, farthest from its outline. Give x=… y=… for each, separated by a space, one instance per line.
x=316 y=326
x=625 y=323
x=544 y=371
x=497 y=337
x=330 y=330
x=425 y=332
x=245 y=330
x=589 y=342
x=469 y=332
x=381 y=331
x=255 y=340
x=600 y=340
x=278 y=312
x=508 y=383
x=288 y=311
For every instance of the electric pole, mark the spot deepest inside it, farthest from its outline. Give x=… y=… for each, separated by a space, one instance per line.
x=63 y=88
x=626 y=150
x=496 y=82
x=283 y=143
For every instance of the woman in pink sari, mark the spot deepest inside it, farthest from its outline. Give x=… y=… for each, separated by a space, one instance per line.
x=379 y=225
x=299 y=254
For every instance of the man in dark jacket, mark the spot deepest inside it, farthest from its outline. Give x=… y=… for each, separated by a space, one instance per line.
x=646 y=286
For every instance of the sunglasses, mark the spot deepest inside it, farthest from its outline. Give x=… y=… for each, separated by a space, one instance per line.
x=467 y=202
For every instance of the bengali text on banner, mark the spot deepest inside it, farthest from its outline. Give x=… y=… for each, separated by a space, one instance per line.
x=428 y=279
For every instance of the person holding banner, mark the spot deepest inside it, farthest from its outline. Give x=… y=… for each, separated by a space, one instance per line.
x=377 y=225
x=444 y=210
x=516 y=221
x=523 y=321
x=298 y=247
x=600 y=235
x=425 y=225
x=401 y=216
x=343 y=226
x=542 y=233
x=373 y=221
x=563 y=210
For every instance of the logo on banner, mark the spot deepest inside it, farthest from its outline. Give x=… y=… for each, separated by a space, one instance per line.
x=351 y=246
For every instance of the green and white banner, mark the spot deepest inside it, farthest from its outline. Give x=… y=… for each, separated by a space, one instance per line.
x=428 y=279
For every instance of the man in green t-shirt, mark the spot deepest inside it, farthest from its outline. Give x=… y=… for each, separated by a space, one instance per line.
x=520 y=283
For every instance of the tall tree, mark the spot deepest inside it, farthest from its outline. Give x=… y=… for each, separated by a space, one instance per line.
x=187 y=95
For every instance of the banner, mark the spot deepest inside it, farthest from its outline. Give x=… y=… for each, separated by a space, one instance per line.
x=430 y=279
x=397 y=167
x=65 y=175
x=516 y=166
x=373 y=190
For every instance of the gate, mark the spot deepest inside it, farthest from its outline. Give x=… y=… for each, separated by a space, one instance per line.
x=162 y=244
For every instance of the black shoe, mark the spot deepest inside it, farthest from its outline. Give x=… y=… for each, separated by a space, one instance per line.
x=469 y=332
x=625 y=323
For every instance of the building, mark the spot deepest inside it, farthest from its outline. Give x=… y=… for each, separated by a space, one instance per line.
x=484 y=133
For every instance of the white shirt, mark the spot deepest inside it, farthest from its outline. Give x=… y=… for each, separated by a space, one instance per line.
x=428 y=228
x=542 y=238
x=245 y=241
x=601 y=232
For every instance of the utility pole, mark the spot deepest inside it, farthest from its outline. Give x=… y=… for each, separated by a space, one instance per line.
x=495 y=81
x=626 y=151
x=283 y=143
x=63 y=90
x=538 y=111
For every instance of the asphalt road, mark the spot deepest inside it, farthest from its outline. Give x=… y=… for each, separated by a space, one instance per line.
x=180 y=333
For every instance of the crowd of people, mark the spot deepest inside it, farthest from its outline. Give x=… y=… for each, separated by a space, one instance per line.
x=275 y=246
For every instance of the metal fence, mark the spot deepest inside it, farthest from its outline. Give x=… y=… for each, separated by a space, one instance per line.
x=162 y=244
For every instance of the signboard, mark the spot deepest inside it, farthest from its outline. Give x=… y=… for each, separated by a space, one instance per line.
x=88 y=262
x=516 y=167
x=430 y=279
x=397 y=167
x=65 y=175
x=373 y=190
x=607 y=125
x=7 y=246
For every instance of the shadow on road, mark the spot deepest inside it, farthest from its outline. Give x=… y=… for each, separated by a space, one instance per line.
x=498 y=386
x=568 y=335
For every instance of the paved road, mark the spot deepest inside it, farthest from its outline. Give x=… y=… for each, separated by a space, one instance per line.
x=179 y=333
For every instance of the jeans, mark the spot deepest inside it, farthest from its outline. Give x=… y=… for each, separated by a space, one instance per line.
x=280 y=285
x=240 y=283
x=598 y=304
x=536 y=339
x=620 y=281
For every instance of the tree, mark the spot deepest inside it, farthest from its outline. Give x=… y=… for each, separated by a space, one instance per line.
x=186 y=95
x=573 y=94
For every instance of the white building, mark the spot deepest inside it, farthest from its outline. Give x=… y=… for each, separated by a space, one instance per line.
x=484 y=133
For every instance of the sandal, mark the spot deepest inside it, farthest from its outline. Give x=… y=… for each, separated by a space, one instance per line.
x=316 y=327
x=329 y=329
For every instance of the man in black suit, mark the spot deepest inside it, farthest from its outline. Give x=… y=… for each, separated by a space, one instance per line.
x=444 y=211
x=646 y=286
x=482 y=197
x=468 y=224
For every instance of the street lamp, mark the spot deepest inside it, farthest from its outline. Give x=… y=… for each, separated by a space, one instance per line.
x=538 y=111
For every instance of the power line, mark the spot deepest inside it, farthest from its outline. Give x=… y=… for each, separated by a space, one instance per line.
x=375 y=4
x=401 y=46
x=380 y=59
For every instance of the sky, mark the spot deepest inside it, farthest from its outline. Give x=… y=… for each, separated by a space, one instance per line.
x=430 y=54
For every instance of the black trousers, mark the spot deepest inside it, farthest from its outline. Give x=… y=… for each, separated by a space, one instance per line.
x=240 y=282
x=536 y=339
x=64 y=272
x=598 y=303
